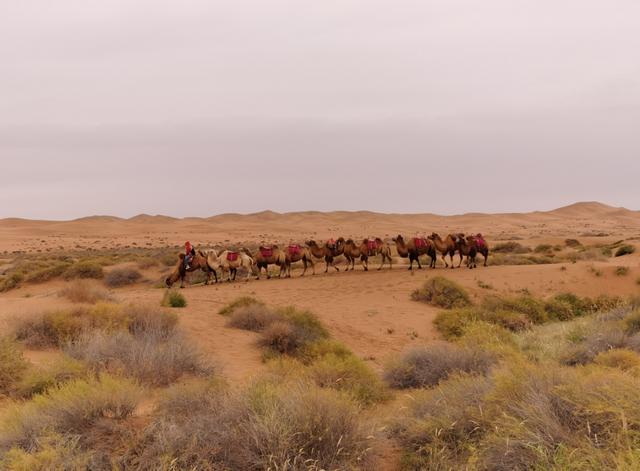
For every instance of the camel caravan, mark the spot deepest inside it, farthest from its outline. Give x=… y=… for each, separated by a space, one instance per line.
x=225 y=264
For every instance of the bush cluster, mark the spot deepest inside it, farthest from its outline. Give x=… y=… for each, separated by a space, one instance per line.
x=442 y=292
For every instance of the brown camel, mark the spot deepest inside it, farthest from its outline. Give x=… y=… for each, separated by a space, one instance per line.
x=296 y=253
x=467 y=248
x=415 y=247
x=229 y=262
x=270 y=255
x=481 y=246
x=328 y=252
x=367 y=248
x=198 y=262
x=448 y=246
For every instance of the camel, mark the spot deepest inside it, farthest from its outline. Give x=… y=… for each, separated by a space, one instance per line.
x=328 y=252
x=198 y=262
x=481 y=246
x=448 y=246
x=367 y=248
x=414 y=248
x=229 y=262
x=295 y=253
x=467 y=247
x=270 y=255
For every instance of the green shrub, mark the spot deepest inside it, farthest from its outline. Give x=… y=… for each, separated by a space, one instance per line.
x=38 y=380
x=54 y=451
x=70 y=408
x=510 y=247
x=625 y=250
x=427 y=366
x=543 y=248
x=305 y=322
x=12 y=365
x=84 y=269
x=119 y=277
x=238 y=303
x=442 y=292
x=348 y=374
x=173 y=298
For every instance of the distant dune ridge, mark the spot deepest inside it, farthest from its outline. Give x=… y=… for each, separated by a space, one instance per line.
x=584 y=218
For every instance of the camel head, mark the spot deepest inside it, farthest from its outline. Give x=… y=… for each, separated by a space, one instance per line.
x=311 y=243
x=177 y=272
x=434 y=236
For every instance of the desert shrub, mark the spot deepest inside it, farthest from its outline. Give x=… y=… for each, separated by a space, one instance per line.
x=305 y=322
x=348 y=374
x=269 y=426
x=427 y=366
x=254 y=317
x=608 y=336
x=54 y=451
x=173 y=298
x=579 y=306
x=543 y=248
x=48 y=273
x=84 y=269
x=621 y=271
x=68 y=409
x=82 y=291
x=242 y=301
x=440 y=426
x=510 y=247
x=281 y=337
x=146 y=318
x=621 y=358
x=12 y=365
x=321 y=348
x=625 y=250
x=10 y=282
x=149 y=357
x=122 y=277
x=38 y=380
x=489 y=337
x=532 y=308
x=572 y=243
x=59 y=327
x=452 y=323
x=442 y=292
x=632 y=322
x=148 y=262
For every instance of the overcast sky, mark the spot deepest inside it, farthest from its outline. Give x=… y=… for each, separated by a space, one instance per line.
x=199 y=107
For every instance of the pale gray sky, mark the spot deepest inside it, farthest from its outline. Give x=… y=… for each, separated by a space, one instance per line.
x=200 y=107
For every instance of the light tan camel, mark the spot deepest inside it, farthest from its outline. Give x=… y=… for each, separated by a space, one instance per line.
x=198 y=262
x=365 y=249
x=270 y=255
x=415 y=247
x=229 y=261
x=327 y=252
x=295 y=253
x=448 y=246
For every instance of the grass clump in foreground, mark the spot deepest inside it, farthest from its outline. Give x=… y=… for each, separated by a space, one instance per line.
x=71 y=408
x=119 y=277
x=82 y=291
x=12 y=365
x=268 y=426
x=173 y=298
x=38 y=380
x=84 y=269
x=442 y=292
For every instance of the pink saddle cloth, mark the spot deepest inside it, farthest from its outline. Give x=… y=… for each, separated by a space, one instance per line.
x=266 y=252
x=294 y=250
x=420 y=243
x=232 y=256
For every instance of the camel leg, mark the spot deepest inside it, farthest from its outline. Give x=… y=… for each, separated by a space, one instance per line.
x=365 y=262
x=410 y=262
x=446 y=265
x=451 y=254
x=384 y=259
x=418 y=260
x=485 y=255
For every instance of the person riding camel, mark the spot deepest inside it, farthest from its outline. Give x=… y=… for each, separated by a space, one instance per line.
x=189 y=254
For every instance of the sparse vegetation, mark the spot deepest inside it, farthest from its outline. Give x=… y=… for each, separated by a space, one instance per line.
x=621 y=271
x=625 y=250
x=84 y=269
x=238 y=303
x=38 y=380
x=173 y=298
x=511 y=247
x=82 y=291
x=12 y=365
x=119 y=277
x=442 y=292
x=255 y=317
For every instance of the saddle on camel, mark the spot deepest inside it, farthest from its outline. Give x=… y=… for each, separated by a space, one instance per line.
x=294 y=250
x=232 y=256
x=266 y=252
x=372 y=247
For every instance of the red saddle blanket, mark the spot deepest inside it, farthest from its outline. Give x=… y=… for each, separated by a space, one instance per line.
x=372 y=246
x=266 y=252
x=232 y=256
x=294 y=250
x=480 y=243
x=420 y=243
